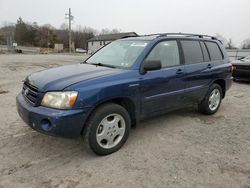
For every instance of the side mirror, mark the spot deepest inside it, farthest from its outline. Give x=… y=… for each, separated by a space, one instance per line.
x=150 y=66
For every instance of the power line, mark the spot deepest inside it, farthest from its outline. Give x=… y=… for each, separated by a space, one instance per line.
x=70 y=18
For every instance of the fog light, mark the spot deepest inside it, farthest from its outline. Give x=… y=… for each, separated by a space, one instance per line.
x=46 y=125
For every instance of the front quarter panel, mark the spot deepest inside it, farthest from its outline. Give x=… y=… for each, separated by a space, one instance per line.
x=95 y=92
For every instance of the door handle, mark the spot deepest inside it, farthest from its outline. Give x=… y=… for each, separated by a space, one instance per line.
x=209 y=66
x=179 y=71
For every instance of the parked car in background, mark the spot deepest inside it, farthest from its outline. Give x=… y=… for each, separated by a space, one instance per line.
x=126 y=81
x=241 y=69
x=80 y=50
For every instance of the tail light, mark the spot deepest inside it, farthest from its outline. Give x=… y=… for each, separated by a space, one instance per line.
x=233 y=68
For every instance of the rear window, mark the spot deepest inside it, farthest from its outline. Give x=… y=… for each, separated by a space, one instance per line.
x=192 y=51
x=214 y=51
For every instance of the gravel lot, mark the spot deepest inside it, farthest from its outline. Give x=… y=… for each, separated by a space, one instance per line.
x=180 y=149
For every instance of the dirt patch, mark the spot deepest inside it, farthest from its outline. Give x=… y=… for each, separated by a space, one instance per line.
x=18 y=67
x=234 y=169
x=3 y=91
x=210 y=119
x=12 y=170
x=46 y=66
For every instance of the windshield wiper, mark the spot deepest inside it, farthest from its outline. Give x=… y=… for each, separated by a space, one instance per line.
x=103 y=65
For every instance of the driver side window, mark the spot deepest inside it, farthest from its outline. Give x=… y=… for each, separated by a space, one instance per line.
x=167 y=52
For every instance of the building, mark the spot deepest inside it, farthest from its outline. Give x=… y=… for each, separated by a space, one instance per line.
x=58 y=48
x=99 y=41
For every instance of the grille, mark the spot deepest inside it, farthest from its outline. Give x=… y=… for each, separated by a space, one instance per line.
x=30 y=93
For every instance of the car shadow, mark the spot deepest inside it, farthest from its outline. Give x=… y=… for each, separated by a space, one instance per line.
x=43 y=148
x=241 y=82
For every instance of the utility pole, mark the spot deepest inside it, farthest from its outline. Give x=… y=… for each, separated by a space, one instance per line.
x=70 y=18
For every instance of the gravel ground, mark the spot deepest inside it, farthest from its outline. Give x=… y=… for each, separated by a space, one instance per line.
x=179 y=149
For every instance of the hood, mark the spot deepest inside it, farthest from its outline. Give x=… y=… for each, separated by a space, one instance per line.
x=62 y=77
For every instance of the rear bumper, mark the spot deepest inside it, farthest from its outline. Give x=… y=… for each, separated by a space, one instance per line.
x=229 y=82
x=63 y=123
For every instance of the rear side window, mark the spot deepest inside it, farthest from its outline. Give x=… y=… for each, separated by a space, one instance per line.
x=214 y=51
x=167 y=52
x=192 y=51
x=205 y=52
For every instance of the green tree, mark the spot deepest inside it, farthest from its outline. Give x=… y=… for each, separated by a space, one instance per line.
x=24 y=33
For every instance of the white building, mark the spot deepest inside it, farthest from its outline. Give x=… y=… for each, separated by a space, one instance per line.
x=99 y=41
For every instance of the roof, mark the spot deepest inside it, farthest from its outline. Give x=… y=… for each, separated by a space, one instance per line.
x=111 y=37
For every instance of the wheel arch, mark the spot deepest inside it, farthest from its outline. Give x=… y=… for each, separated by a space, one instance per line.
x=222 y=84
x=125 y=102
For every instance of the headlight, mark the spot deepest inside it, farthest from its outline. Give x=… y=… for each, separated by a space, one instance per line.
x=60 y=100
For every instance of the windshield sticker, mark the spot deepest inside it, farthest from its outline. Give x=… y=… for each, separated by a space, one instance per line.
x=124 y=64
x=139 y=44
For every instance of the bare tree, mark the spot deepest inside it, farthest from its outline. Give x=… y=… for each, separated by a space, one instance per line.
x=108 y=31
x=2 y=41
x=64 y=26
x=222 y=39
x=45 y=36
x=7 y=34
x=230 y=44
x=246 y=44
x=80 y=35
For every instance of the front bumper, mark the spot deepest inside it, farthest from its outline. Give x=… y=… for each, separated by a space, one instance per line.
x=63 y=123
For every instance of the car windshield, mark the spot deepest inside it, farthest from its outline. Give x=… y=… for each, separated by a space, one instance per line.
x=118 y=54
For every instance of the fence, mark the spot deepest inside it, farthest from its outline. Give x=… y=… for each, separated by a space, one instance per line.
x=25 y=49
x=237 y=53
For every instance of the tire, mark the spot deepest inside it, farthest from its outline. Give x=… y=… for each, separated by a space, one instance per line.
x=210 y=106
x=107 y=129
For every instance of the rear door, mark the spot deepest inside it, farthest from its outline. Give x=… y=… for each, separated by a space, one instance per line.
x=198 y=69
x=162 y=90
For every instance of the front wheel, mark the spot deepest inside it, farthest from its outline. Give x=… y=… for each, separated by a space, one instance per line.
x=212 y=100
x=107 y=129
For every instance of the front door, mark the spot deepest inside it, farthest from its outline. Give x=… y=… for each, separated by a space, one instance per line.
x=163 y=90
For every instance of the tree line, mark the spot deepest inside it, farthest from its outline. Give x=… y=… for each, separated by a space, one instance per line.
x=31 y=34
x=229 y=44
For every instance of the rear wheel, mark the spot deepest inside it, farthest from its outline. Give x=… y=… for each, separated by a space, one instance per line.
x=212 y=100
x=107 y=129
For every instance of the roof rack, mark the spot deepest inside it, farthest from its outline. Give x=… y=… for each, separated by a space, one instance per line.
x=186 y=35
x=149 y=35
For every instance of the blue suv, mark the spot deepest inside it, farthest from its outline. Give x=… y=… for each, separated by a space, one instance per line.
x=124 y=82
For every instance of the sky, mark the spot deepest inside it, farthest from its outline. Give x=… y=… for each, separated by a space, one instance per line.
x=230 y=18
